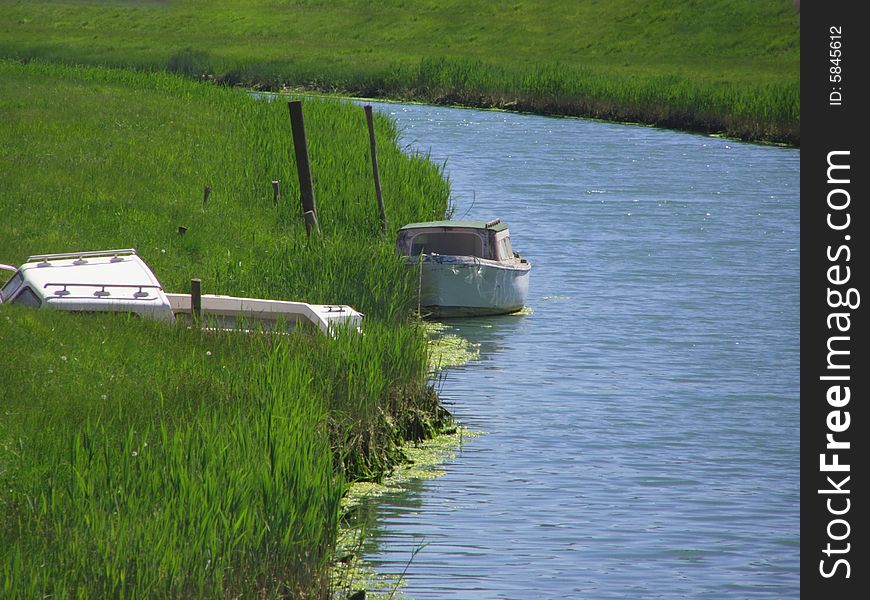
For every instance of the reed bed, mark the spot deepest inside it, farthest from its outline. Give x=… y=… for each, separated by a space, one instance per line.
x=724 y=66
x=761 y=110
x=132 y=172
x=140 y=460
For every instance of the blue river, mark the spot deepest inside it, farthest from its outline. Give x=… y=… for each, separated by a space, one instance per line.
x=642 y=422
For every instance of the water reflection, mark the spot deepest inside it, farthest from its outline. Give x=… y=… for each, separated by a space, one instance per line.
x=489 y=334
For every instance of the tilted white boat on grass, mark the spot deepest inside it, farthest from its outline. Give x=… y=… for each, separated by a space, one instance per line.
x=120 y=281
x=467 y=268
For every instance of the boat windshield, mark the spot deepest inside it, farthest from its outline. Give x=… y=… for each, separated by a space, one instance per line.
x=11 y=287
x=455 y=243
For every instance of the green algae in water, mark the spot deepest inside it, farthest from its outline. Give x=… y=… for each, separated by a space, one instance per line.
x=448 y=349
x=452 y=350
x=423 y=461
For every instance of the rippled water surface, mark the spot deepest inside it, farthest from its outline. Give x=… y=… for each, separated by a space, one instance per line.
x=643 y=422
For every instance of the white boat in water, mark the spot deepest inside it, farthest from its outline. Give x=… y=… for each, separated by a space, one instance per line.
x=467 y=268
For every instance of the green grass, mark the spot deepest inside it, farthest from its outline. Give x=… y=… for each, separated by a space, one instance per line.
x=109 y=158
x=121 y=478
x=138 y=459
x=721 y=66
x=143 y=460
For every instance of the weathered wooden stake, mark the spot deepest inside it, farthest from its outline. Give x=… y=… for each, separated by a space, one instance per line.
x=276 y=192
x=375 y=170
x=303 y=167
x=196 y=300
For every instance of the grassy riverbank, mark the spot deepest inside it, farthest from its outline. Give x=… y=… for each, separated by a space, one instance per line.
x=143 y=460
x=728 y=67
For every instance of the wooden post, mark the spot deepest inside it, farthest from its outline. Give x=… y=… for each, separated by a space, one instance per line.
x=375 y=170
x=303 y=167
x=196 y=300
x=276 y=192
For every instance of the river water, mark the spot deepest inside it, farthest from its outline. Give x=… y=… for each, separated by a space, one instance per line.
x=642 y=423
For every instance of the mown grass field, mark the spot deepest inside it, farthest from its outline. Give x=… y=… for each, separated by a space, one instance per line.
x=144 y=460
x=724 y=66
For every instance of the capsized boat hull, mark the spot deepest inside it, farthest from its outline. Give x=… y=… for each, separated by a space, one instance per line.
x=461 y=286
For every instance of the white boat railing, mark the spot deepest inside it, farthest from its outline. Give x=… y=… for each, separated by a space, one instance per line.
x=100 y=293
x=89 y=254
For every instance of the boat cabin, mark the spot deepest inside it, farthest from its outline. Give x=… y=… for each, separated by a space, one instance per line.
x=489 y=240
x=102 y=281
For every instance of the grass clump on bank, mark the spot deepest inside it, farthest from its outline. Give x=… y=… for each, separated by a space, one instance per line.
x=727 y=66
x=138 y=459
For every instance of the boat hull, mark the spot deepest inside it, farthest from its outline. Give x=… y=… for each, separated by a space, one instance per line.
x=462 y=286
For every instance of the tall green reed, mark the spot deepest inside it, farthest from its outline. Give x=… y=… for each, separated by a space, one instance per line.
x=239 y=498
x=113 y=487
x=138 y=459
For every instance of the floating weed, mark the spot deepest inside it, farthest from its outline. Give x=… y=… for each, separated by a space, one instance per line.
x=448 y=349
x=423 y=461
